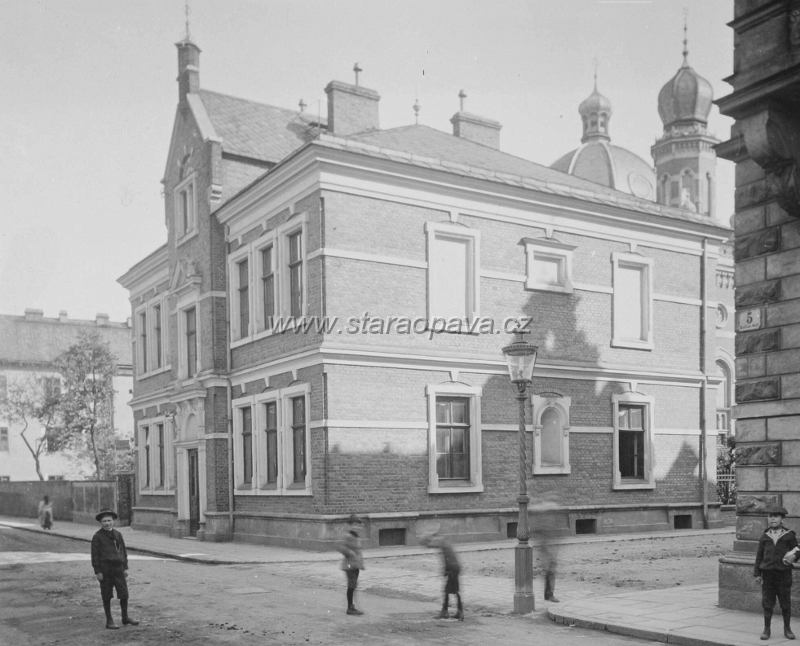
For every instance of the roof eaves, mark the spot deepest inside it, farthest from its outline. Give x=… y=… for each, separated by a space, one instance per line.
x=198 y=108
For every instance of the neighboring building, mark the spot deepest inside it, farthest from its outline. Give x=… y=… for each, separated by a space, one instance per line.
x=28 y=346
x=765 y=145
x=254 y=431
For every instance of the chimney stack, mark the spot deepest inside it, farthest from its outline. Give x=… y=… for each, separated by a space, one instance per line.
x=351 y=108
x=475 y=128
x=62 y=316
x=33 y=314
x=188 y=69
x=101 y=319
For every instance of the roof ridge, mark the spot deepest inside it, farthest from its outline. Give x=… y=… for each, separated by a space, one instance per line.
x=259 y=103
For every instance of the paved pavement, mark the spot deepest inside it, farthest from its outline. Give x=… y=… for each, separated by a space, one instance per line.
x=686 y=615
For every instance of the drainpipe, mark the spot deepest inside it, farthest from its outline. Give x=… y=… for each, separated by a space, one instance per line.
x=228 y=357
x=704 y=382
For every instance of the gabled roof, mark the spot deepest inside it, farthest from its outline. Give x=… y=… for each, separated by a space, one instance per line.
x=40 y=341
x=257 y=130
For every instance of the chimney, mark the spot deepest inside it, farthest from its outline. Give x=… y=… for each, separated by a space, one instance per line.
x=351 y=108
x=188 y=69
x=33 y=315
x=101 y=319
x=62 y=316
x=475 y=128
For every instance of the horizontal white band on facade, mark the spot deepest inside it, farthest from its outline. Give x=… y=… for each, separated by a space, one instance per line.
x=591 y=429
x=368 y=257
x=212 y=294
x=682 y=431
x=357 y=423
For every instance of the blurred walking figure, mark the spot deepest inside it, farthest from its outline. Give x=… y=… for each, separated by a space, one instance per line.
x=352 y=561
x=46 y=513
x=541 y=512
x=452 y=568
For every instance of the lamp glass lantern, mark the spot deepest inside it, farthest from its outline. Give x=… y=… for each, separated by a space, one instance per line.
x=521 y=359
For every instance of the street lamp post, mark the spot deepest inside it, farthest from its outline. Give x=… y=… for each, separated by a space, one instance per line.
x=521 y=359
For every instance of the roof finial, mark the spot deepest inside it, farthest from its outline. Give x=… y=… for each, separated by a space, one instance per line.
x=187 y=11
x=357 y=69
x=461 y=96
x=596 y=66
x=417 y=108
x=685 y=39
x=302 y=105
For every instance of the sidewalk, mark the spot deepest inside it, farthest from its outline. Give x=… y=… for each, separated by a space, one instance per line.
x=686 y=615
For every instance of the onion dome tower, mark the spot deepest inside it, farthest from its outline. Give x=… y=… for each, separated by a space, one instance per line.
x=597 y=160
x=684 y=155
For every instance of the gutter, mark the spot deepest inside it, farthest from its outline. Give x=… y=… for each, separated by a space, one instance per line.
x=703 y=471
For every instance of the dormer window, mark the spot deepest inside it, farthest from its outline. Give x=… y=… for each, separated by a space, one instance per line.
x=185 y=207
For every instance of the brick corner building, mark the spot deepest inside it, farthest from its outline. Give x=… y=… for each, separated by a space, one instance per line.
x=289 y=369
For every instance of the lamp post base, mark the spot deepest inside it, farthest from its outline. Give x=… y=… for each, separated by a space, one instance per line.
x=523 y=575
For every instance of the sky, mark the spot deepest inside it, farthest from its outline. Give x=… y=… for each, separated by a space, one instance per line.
x=89 y=97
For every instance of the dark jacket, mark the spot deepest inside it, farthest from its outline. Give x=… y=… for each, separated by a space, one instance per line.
x=108 y=548
x=770 y=553
x=350 y=547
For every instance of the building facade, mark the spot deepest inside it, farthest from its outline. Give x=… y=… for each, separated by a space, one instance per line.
x=29 y=345
x=765 y=145
x=321 y=333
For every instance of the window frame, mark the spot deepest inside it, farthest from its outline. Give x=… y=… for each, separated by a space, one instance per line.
x=541 y=404
x=234 y=261
x=284 y=485
x=436 y=231
x=648 y=434
x=645 y=264
x=551 y=249
x=184 y=231
x=151 y=453
x=475 y=482
x=5 y=439
x=182 y=309
x=155 y=316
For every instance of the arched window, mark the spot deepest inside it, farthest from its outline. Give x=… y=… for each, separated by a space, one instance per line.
x=552 y=430
x=687 y=182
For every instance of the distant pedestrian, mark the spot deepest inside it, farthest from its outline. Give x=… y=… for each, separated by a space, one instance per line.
x=352 y=560
x=777 y=550
x=541 y=512
x=46 y=513
x=452 y=569
x=110 y=563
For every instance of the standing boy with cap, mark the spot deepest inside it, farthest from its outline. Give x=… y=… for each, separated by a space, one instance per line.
x=110 y=563
x=777 y=550
x=352 y=561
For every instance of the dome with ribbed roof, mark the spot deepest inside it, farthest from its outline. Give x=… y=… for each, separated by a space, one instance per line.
x=597 y=160
x=686 y=97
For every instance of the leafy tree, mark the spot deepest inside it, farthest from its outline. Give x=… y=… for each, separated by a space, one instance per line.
x=32 y=399
x=86 y=428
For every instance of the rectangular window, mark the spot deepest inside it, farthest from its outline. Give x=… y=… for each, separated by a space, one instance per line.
x=51 y=387
x=158 y=349
x=5 y=478
x=143 y=342
x=452 y=438
x=247 y=445
x=268 y=285
x=186 y=208
x=191 y=341
x=632 y=301
x=244 y=298
x=453 y=271
x=631 y=441
x=271 y=433
x=295 y=241
x=3 y=438
x=146 y=445
x=299 y=439
x=55 y=477
x=161 y=455
x=549 y=265
x=3 y=386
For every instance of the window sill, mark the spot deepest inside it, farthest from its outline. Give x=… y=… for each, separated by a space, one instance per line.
x=455 y=488
x=187 y=236
x=152 y=373
x=541 y=287
x=635 y=345
x=537 y=470
x=633 y=484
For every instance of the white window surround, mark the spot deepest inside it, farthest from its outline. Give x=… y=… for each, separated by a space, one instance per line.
x=149 y=308
x=436 y=233
x=622 y=261
x=455 y=389
x=187 y=184
x=548 y=250
x=278 y=238
x=648 y=482
x=186 y=303
x=152 y=488
x=259 y=486
x=561 y=405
